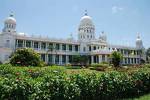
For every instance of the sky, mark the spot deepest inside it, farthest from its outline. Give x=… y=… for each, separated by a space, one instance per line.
x=121 y=20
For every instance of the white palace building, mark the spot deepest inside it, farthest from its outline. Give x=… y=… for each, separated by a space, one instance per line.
x=98 y=49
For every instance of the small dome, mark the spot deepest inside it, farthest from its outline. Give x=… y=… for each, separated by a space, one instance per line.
x=10 y=19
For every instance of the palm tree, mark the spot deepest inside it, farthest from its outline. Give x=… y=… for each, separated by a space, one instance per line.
x=116 y=58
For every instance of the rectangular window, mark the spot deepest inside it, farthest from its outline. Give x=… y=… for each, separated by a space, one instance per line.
x=36 y=45
x=43 y=57
x=28 y=44
x=89 y=48
x=63 y=58
x=20 y=43
x=57 y=59
x=43 y=45
x=76 y=48
x=50 y=58
x=57 y=46
x=64 y=47
x=70 y=47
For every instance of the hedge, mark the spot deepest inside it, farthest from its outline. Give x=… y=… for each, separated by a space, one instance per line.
x=54 y=84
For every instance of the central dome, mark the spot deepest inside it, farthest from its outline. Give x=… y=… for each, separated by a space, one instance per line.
x=86 y=21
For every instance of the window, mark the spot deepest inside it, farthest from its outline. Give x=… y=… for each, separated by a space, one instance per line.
x=43 y=45
x=94 y=47
x=43 y=57
x=57 y=59
x=64 y=47
x=63 y=58
x=76 y=48
x=70 y=47
x=20 y=43
x=57 y=46
x=89 y=48
x=7 y=43
x=87 y=36
x=28 y=44
x=103 y=58
x=36 y=45
x=84 y=49
x=50 y=58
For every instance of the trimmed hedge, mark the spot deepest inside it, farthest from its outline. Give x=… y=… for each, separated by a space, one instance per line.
x=54 y=84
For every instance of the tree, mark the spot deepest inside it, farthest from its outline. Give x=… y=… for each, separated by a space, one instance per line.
x=80 y=59
x=116 y=58
x=25 y=57
x=148 y=54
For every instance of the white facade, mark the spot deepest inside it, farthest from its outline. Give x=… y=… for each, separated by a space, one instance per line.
x=98 y=49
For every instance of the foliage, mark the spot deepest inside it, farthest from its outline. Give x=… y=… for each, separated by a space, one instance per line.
x=80 y=59
x=99 y=67
x=148 y=55
x=116 y=58
x=52 y=83
x=25 y=57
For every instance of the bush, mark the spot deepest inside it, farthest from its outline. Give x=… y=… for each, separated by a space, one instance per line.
x=116 y=58
x=26 y=57
x=99 y=67
x=43 y=83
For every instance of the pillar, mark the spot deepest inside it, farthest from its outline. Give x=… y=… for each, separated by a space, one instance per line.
x=67 y=59
x=92 y=59
x=53 y=58
x=60 y=59
x=99 y=58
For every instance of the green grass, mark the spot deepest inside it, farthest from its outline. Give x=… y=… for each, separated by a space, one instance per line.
x=144 y=97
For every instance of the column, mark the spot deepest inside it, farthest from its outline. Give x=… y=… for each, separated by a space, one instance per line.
x=47 y=46
x=73 y=48
x=53 y=58
x=99 y=58
x=32 y=44
x=130 y=61
x=60 y=47
x=46 y=58
x=105 y=58
x=16 y=43
x=39 y=45
x=92 y=59
x=24 y=43
x=66 y=59
x=60 y=59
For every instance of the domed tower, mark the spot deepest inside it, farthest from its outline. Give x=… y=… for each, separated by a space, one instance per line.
x=86 y=30
x=10 y=24
x=139 y=43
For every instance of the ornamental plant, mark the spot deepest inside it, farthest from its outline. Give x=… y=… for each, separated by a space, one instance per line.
x=25 y=57
x=116 y=58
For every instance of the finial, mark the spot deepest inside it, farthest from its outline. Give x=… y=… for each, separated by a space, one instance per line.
x=102 y=32
x=11 y=14
x=138 y=35
x=86 y=13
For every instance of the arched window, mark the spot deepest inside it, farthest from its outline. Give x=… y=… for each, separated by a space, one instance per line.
x=84 y=49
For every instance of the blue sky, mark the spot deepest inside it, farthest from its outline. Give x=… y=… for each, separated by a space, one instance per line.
x=120 y=19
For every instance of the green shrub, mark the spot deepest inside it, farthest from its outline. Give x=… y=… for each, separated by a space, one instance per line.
x=26 y=57
x=44 y=83
x=99 y=67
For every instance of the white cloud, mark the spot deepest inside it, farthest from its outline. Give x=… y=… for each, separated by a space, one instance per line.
x=116 y=9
